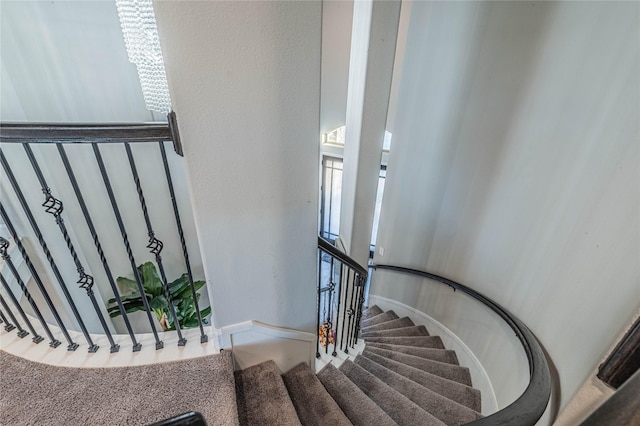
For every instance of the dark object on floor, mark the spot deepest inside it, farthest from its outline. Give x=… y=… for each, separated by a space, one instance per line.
x=187 y=419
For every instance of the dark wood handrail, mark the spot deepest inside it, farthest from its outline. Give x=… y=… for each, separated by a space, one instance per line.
x=326 y=246
x=530 y=406
x=84 y=133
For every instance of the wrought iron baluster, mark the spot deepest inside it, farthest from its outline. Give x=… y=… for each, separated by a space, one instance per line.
x=16 y=239
x=36 y=337
x=330 y=290
x=96 y=241
x=355 y=311
x=4 y=246
x=318 y=304
x=362 y=284
x=176 y=213
x=7 y=325
x=155 y=245
x=11 y=326
x=339 y=281
x=345 y=313
x=350 y=311
x=127 y=245
x=36 y=229
x=55 y=207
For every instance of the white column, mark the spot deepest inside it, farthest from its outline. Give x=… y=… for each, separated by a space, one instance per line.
x=373 y=43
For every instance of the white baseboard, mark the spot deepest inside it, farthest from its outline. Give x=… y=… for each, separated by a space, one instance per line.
x=466 y=357
x=253 y=342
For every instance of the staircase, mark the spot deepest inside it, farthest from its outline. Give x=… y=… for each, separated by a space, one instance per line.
x=404 y=376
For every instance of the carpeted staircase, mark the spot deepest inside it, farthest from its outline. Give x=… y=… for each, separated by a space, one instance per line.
x=404 y=376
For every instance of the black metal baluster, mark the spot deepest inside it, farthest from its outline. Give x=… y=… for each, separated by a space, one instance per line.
x=329 y=316
x=55 y=207
x=318 y=308
x=345 y=312
x=176 y=213
x=10 y=326
x=36 y=337
x=7 y=325
x=361 y=284
x=96 y=241
x=4 y=246
x=155 y=245
x=16 y=239
x=127 y=245
x=339 y=283
x=45 y=249
x=350 y=311
x=355 y=311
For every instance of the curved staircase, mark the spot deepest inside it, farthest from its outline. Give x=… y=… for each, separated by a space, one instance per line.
x=404 y=376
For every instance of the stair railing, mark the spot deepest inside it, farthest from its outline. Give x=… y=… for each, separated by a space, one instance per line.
x=92 y=138
x=341 y=291
x=527 y=409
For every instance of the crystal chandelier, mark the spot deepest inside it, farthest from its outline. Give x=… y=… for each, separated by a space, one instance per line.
x=143 y=47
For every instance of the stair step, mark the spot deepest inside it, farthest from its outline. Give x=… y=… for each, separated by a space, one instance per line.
x=313 y=404
x=445 y=409
x=465 y=395
x=418 y=341
x=357 y=406
x=385 y=316
x=416 y=330
x=442 y=355
x=263 y=397
x=388 y=325
x=442 y=369
x=400 y=408
x=371 y=311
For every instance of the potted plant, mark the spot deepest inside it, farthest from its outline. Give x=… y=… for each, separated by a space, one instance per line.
x=180 y=293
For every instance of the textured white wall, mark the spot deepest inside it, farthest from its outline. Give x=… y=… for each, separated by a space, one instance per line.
x=244 y=79
x=515 y=166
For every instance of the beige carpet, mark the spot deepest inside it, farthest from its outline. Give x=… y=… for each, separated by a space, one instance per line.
x=39 y=394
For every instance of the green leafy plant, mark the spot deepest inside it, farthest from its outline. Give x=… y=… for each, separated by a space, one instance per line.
x=180 y=293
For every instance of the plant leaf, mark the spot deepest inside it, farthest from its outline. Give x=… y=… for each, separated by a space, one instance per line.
x=158 y=302
x=127 y=283
x=186 y=293
x=150 y=279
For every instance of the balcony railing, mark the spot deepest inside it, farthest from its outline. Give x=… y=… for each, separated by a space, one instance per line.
x=38 y=169
x=341 y=291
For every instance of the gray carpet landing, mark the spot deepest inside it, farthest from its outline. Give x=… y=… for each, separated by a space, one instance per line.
x=403 y=377
x=40 y=394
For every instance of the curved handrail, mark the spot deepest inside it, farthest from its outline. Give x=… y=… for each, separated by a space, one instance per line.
x=326 y=245
x=530 y=406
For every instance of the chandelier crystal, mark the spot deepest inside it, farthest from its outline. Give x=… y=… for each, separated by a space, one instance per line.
x=143 y=47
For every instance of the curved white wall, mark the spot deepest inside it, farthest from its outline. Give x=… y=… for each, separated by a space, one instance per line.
x=515 y=164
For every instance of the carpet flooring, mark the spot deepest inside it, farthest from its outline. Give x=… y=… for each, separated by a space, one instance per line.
x=40 y=394
x=403 y=377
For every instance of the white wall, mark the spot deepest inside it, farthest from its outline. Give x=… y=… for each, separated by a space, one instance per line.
x=244 y=79
x=515 y=166
x=336 y=45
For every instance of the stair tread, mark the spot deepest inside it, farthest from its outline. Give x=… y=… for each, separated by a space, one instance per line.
x=442 y=355
x=418 y=341
x=371 y=311
x=416 y=330
x=442 y=369
x=263 y=397
x=357 y=406
x=313 y=404
x=388 y=325
x=441 y=407
x=458 y=392
x=385 y=316
x=401 y=409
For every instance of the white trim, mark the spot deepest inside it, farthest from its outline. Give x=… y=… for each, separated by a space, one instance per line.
x=253 y=342
x=125 y=357
x=467 y=358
